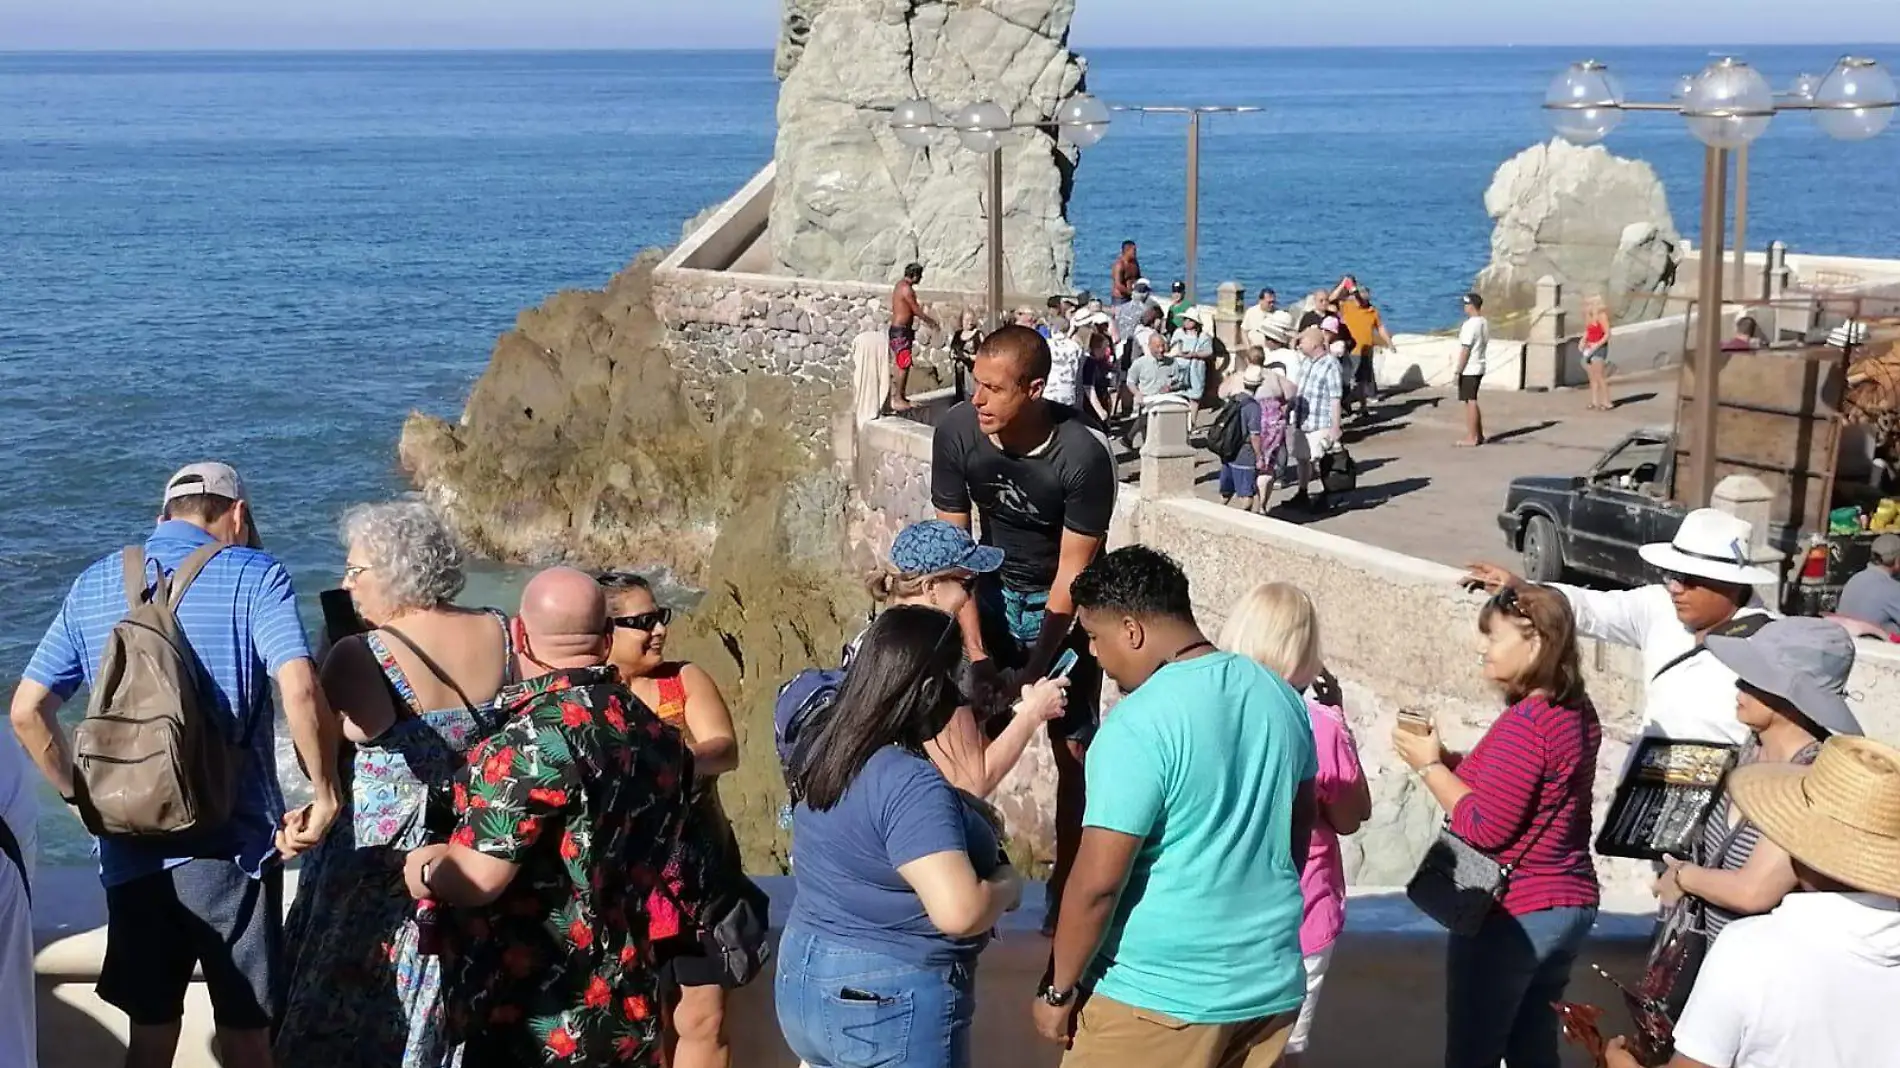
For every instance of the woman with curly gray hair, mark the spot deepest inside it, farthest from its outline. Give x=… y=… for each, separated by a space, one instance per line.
x=416 y=691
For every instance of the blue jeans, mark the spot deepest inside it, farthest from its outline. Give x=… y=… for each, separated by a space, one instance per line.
x=844 y=1007
x=1500 y=984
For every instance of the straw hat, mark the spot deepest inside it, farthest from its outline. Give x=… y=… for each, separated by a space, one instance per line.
x=1840 y=816
x=1279 y=326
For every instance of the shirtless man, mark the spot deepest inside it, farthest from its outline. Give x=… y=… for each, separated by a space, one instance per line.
x=1122 y=276
x=906 y=312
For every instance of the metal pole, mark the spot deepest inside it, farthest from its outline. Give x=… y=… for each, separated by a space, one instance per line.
x=1193 y=199
x=1739 y=284
x=996 y=237
x=1709 y=326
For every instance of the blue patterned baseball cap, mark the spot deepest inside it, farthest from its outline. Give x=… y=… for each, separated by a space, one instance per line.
x=934 y=546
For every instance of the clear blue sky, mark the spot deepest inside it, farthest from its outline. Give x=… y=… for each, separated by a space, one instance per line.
x=184 y=24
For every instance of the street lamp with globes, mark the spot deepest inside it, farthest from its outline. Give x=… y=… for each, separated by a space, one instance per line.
x=1082 y=121
x=1726 y=107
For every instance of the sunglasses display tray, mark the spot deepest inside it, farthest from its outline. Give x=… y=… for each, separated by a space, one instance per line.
x=1661 y=804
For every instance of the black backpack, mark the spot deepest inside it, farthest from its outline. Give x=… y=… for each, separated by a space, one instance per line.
x=1228 y=434
x=1337 y=471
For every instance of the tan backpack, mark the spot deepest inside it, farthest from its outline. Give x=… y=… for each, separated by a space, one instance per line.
x=149 y=760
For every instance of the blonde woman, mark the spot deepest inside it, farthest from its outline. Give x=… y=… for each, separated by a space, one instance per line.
x=933 y=564
x=1596 y=351
x=1275 y=625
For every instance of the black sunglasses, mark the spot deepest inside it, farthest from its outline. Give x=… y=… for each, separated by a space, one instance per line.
x=622 y=580
x=1507 y=602
x=659 y=617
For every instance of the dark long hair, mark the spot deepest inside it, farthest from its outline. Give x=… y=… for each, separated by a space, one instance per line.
x=900 y=690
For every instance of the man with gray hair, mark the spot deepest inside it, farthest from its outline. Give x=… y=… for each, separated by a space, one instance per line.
x=1873 y=596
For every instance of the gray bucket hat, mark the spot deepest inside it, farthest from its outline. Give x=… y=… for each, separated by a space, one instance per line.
x=1802 y=661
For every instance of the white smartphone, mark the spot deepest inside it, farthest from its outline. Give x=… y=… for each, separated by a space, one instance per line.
x=1063 y=665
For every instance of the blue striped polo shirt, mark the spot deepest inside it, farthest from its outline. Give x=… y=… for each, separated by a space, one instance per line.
x=240 y=617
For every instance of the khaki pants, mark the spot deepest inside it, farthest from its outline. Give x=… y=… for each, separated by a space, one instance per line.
x=1112 y=1035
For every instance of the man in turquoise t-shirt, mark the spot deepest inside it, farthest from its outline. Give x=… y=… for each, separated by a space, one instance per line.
x=1182 y=913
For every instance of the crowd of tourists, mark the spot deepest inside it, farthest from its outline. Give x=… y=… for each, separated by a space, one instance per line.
x=514 y=851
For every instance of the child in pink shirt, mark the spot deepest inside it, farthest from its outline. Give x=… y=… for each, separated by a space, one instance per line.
x=1276 y=625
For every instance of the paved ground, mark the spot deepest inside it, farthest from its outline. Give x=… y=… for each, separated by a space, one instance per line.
x=1421 y=495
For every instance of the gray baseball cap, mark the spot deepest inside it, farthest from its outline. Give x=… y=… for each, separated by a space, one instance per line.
x=1802 y=661
x=1886 y=548
x=197 y=479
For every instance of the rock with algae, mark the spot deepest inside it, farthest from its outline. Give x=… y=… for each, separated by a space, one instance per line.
x=577 y=444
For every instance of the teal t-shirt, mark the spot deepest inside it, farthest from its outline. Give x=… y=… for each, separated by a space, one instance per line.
x=1202 y=763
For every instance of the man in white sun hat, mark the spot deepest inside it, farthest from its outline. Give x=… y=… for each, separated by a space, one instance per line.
x=1707 y=588
x=1814 y=983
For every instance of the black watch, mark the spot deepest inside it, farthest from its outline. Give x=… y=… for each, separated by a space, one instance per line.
x=1055 y=998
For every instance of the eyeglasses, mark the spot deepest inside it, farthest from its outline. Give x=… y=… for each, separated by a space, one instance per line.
x=353 y=571
x=659 y=617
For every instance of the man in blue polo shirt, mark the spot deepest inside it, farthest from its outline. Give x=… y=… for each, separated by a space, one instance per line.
x=215 y=900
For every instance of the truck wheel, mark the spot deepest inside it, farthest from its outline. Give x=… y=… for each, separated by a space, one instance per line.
x=1543 y=557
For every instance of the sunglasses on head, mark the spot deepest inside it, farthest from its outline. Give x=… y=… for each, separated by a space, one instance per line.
x=1507 y=601
x=622 y=580
x=659 y=617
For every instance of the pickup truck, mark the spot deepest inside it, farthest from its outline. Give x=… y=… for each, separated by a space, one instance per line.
x=1590 y=526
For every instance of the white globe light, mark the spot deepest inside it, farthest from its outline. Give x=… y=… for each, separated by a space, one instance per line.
x=1855 y=101
x=1684 y=86
x=980 y=126
x=1083 y=120
x=1585 y=103
x=915 y=122
x=1803 y=88
x=1730 y=105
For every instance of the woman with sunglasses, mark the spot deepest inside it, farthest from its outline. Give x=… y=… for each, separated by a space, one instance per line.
x=1521 y=797
x=934 y=564
x=684 y=696
x=899 y=880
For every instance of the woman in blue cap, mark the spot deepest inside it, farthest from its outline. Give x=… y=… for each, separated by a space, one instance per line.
x=933 y=564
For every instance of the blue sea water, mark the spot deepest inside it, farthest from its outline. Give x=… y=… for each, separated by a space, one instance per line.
x=271 y=258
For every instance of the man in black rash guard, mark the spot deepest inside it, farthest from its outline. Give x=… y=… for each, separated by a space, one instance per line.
x=1044 y=484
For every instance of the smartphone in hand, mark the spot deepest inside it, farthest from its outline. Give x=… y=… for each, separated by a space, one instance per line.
x=1063 y=665
x=339 y=615
x=1414 y=722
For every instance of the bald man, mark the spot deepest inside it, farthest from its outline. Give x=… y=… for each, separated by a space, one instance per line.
x=572 y=808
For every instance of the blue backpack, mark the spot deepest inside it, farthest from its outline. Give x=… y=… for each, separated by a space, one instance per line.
x=800 y=702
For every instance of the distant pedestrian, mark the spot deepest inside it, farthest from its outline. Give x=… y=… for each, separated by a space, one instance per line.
x=1179 y=304
x=1193 y=352
x=19 y=853
x=1239 y=477
x=906 y=312
x=963 y=346
x=1122 y=275
x=1317 y=418
x=1276 y=394
x=1366 y=328
x=215 y=900
x=1521 y=797
x=1253 y=323
x=1596 y=352
x=1045 y=484
x=1276 y=625
x=1066 y=361
x=1873 y=596
x=1474 y=340
x=572 y=810
x=1747 y=336
x=1200 y=814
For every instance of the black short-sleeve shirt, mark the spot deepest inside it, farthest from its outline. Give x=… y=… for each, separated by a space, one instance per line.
x=1026 y=502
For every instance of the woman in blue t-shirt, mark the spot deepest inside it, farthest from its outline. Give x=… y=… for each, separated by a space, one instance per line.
x=899 y=881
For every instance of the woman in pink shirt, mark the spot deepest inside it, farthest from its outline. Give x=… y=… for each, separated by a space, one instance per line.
x=1275 y=625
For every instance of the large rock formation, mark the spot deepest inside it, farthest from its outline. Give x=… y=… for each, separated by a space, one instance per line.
x=577 y=444
x=1596 y=222
x=854 y=203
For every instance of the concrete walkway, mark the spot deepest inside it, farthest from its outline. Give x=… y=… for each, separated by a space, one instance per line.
x=1421 y=495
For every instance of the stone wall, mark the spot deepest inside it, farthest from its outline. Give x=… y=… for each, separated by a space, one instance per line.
x=725 y=324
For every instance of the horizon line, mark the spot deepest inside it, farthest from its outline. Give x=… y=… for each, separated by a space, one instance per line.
x=396 y=49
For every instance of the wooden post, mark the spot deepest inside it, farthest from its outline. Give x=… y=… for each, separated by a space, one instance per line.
x=1701 y=486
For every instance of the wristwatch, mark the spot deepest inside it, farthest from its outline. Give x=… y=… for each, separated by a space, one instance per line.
x=1055 y=998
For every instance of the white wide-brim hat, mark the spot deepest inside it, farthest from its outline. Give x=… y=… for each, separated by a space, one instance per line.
x=1712 y=545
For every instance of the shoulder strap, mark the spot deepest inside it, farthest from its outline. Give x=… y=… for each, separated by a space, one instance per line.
x=1742 y=626
x=132 y=562
x=1583 y=749
x=434 y=668
x=10 y=846
x=188 y=570
x=392 y=671
x=507 y=646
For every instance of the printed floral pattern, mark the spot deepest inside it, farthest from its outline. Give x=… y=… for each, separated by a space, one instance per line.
x=581 y=789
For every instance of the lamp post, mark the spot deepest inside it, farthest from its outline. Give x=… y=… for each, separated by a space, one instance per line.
x=1726 y=107
x=1192 y=245
x=1081 y=121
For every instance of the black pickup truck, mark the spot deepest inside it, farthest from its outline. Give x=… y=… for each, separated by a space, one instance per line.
x=1592 y=525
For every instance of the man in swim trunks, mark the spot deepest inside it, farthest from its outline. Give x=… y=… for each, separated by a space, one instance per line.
x=906 y=311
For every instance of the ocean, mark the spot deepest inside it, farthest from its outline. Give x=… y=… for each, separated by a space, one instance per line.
x=271 y=258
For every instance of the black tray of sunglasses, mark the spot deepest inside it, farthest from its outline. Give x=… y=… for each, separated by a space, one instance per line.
x=1661 y=804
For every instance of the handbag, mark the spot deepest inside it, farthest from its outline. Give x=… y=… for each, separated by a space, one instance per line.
x=1681 y=943
x=1338 y=472
x=1458 y=884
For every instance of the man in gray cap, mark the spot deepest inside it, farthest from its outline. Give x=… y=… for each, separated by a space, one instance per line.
x=1873 y=596
x=211 y=899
